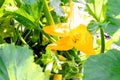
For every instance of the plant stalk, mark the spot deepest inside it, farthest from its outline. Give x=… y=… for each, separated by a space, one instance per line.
x=47 y=13
x=102 y=40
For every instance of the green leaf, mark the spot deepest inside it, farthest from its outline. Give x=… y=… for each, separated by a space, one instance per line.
x=113 y=15
x=36 y=10
x=17 y=63
x=1 y=40
x=97 y=9
x=1 y=2
x=50 y=58
x=47 y=58
x=103 y=66
x=111 y=29
x=118 y=43
x=56 y=5
x=33 y=8
x=30 y=2
x=55 y=17
x=22 y=12
x=69 y=70
x=115 y=38
x=23 y=20
x=92 y=27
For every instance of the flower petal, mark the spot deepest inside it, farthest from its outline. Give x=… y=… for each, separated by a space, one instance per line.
x=64 y=43
x=83 y=40
x=57 y=77
x=57 y=30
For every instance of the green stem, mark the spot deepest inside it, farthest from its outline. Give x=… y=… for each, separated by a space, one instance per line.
x=27 y=35
x=21 y=38
x=41 y=23
x=47 y=13
x=102 y=40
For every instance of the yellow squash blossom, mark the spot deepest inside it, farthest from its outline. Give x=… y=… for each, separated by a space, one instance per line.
x=71 y=35
x=78 y=37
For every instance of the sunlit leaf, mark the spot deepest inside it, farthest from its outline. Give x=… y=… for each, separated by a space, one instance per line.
x=97 y=9
x=17 y=63
x=22 y=12
x=103 y=66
